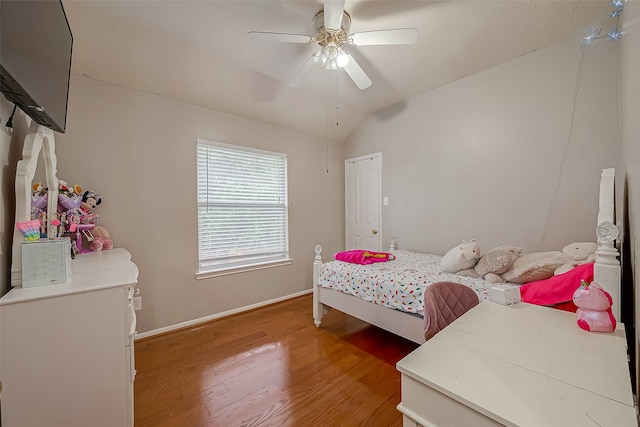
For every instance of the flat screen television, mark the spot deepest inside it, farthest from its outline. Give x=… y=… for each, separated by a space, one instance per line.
x=35 y=59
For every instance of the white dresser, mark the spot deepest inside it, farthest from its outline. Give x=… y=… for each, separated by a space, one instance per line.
x=523 y=365
x=66 y=350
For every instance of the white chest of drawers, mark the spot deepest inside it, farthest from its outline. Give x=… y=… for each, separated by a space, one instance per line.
x=66 y=350
x=523 y=365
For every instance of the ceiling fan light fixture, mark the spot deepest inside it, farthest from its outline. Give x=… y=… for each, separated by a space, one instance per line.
x=319 y=57
x=331 y=51
x=331 y=28
x=342 y=58
x=331 y=64
x=331 y=56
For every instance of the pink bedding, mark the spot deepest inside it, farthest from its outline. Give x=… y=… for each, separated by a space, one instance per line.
x=557 y=289
x=359 y=256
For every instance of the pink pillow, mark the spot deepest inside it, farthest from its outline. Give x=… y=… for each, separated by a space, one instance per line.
x=557 y=289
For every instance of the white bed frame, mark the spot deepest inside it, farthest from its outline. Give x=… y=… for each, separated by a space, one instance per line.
x=411 y=327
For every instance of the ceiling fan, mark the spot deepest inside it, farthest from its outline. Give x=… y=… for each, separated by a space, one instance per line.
x=331 y=31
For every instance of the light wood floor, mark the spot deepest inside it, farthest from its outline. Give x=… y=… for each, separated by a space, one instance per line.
x=270 y=367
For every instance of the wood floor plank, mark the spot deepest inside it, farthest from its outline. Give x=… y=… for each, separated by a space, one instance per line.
x=270 y=367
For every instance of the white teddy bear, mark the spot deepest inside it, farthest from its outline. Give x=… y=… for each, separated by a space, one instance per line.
x=578 y=253
x=461 y=257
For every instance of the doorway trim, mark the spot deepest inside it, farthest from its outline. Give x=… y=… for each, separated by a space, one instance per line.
x=378 y=195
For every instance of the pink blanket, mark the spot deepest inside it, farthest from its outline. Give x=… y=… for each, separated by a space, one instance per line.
x=359 y=256
x=557 y=289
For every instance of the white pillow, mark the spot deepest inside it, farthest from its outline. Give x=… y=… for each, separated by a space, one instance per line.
x=534 y=266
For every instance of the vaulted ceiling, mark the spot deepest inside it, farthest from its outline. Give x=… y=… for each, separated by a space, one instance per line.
x=198 y=51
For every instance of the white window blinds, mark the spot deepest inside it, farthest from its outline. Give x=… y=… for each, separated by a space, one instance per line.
x=242 y=207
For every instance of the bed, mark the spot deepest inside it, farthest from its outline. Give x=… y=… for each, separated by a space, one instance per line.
x=389 y=294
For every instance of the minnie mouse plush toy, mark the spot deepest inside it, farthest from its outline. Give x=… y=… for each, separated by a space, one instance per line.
x=89 y=201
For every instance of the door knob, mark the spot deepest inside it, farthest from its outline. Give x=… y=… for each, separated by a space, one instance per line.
x=374 y=232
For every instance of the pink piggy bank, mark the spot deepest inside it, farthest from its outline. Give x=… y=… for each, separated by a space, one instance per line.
x=594 y=308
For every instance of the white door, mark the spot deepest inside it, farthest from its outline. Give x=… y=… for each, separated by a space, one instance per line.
x=363 y=202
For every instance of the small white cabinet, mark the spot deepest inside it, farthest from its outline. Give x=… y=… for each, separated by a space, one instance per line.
x=66 y=354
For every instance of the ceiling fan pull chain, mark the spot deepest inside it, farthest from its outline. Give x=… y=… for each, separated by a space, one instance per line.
x=326 y=110
x=337 y=103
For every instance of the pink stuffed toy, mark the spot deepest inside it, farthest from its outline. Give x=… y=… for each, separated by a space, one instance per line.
x=101 y=239
x=594 y=308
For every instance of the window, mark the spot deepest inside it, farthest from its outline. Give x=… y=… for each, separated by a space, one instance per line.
x=242 y=208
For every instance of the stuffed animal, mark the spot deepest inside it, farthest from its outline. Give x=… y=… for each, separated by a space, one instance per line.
x=577 y=254
x=101 y=239
x=89 y=201
x=461 y=257
x=594 y=308
x=492 y=264
x=495 y=262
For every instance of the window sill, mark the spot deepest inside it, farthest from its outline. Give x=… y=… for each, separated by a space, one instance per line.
x=243 y=269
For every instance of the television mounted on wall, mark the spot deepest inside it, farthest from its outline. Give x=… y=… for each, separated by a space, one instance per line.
x=35 y=59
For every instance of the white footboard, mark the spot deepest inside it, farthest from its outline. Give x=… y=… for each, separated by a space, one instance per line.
x=403 y=324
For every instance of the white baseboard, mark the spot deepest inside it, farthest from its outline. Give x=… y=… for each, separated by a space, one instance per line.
x=217 y=315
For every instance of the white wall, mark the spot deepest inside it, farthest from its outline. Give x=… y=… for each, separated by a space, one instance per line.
x=489 y=156
x=138 y=151
x=630 y=108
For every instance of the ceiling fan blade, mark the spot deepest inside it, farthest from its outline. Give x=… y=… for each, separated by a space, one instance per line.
x=297 y=79
x=333 y=10
x=356 y=73
x=279 y=37
x=395 y=36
